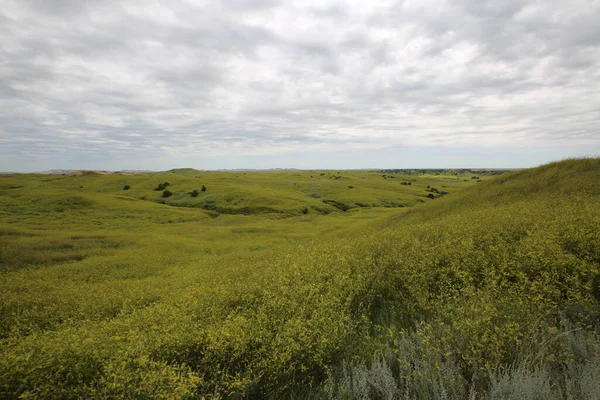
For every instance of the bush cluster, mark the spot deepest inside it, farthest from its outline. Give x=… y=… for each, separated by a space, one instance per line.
x=161 y=186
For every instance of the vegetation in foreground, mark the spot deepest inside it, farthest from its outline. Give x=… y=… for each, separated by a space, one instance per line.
x=490 y=292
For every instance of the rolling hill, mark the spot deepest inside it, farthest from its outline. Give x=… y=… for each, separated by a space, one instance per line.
x=491 y=291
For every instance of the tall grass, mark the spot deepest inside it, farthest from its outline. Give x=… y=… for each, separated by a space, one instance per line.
x=410 y=370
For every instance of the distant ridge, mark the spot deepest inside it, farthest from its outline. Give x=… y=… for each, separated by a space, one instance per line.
x=83 y=171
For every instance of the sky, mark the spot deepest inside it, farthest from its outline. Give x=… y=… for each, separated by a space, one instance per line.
x=154 y=85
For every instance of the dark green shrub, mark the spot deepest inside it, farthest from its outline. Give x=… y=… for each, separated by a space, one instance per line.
x=203 y=188
x=305 y=210
x=126 y=187
x=167 y=193
x=431 y=196
x=195 y=193
x=338 y=204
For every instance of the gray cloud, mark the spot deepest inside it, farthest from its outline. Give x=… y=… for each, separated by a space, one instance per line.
x=267 y=77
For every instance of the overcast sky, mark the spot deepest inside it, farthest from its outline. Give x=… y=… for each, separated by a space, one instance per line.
x=308 y=84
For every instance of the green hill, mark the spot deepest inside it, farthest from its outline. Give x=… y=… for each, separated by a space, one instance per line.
x=278 y=193
x=492 y=291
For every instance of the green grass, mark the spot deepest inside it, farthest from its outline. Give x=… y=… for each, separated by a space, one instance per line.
x=376 y=292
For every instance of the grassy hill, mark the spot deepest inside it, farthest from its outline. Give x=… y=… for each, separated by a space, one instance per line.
x=490 y=292
x=286 y=193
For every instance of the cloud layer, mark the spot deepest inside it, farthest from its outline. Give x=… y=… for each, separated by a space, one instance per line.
x=157 y=82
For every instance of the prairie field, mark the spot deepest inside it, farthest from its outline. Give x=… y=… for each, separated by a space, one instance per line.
x=322 y=284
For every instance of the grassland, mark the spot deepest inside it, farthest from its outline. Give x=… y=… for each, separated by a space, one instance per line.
x=305 y=284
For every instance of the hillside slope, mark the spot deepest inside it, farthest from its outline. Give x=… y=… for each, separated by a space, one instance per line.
x=493 y=291
x=490 y=292
x=276 y=193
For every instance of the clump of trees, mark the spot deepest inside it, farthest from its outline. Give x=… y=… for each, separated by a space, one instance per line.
x=161 y=186
x=433 y=190
x=196 y=192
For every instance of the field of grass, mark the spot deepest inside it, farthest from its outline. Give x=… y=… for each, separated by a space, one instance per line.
x=302 y=284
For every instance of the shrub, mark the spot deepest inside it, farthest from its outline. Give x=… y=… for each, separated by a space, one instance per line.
x=305 y=210
x=338 y=204
x=167 y=193
x=195 y=193
x=203 y=188
x=431 y=196
x=126 y=187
